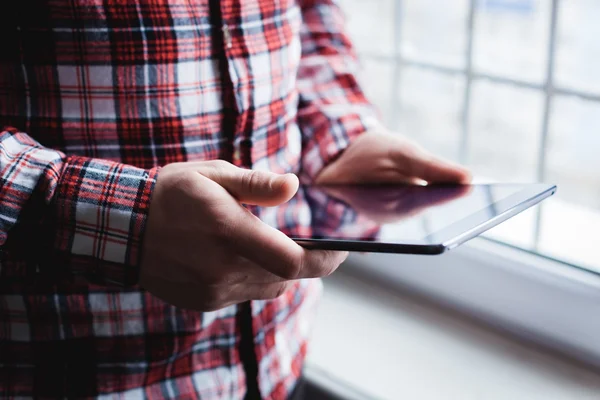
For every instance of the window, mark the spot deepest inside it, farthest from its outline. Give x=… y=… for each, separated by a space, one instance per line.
x=510 y=88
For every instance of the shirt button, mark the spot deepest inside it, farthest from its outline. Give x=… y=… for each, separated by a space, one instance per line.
x=237 y=156
x=227 y=36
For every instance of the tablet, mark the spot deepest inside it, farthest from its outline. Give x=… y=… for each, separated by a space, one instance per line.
x=399 y=218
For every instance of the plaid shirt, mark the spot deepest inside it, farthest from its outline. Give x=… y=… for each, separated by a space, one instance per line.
x=96 y=95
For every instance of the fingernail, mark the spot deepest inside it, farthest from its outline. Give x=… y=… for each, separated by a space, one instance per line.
x=283 y=179
x=288 y=175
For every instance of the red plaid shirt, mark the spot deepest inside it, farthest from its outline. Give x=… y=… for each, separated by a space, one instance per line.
x=100 y=94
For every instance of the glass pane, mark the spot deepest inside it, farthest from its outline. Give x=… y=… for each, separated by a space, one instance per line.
x=370 y=25
x=511 y=38
x=376 y=79
x=434 y=31
x=505 y=123
x=570 y=232
x=573 y=144
x=578 y=47
x=430 y=109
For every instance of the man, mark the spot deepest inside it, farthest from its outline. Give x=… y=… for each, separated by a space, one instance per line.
x=120 y=278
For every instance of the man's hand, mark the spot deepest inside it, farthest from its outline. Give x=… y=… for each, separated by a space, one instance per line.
x=388 y=158
x=204 y=251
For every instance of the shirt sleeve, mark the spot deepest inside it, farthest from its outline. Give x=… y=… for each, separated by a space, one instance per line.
x=333 y=109
x=96 y=209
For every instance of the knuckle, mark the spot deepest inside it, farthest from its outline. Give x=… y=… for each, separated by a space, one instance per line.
x=248 y=180
x=252 y=179
x=218 y=164
x=215 y=169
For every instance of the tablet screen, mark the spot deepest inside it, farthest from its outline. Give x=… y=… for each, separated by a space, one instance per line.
x=393 y=214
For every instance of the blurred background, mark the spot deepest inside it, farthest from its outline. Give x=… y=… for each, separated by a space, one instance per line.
x=510 y=88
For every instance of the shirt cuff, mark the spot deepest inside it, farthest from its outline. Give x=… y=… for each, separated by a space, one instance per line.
x=101 y=209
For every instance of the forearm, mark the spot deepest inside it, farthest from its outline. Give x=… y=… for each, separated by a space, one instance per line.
x=333 y=108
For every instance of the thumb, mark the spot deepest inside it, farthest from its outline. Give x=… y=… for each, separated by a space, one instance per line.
x=259 y=188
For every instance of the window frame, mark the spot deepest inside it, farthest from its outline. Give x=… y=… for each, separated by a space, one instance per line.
x=548 y=88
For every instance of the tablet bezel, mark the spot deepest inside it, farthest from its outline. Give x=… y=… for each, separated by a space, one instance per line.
x=450 y=236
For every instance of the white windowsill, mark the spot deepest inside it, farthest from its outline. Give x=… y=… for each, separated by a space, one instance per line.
x=389 y=347
x=531 y=297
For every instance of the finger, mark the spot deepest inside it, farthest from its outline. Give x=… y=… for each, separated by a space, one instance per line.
x=248 y=272
x=277 y=253
x=321 y=263
x=263 y=291
x=250 y=186
x=435 y=170
x=264 y=245
x=415 y=162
